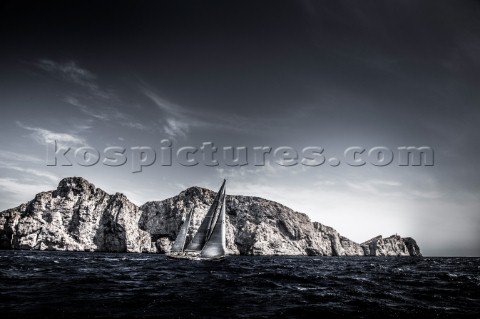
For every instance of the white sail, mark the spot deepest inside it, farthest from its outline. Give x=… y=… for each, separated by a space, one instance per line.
x=179 y=243
x=205 y=228
x=216 y=245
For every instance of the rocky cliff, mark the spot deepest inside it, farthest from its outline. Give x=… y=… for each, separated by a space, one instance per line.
x=75 y=216
x=79 y=216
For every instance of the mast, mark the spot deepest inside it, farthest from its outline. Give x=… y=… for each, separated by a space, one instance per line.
x=205 y=228
x=179 y=243
x=216 y=246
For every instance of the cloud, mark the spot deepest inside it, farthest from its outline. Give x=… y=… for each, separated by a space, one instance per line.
x=423 y=190
x=96 y=102
x=190 y=117
x=18 y=190
x=175 y=120
x=106 y=114
x=19 y=157
x=39 y=173
x=266 y=171
x=96 y=96
x=85 y=109
x=164 y=105
x=175 y=127
x=134 y=125
x=71 y=72
x=45 y=137
x=375 y=187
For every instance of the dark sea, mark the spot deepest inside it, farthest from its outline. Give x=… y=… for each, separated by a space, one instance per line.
x=107 y=285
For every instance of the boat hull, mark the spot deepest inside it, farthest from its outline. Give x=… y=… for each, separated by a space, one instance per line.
x=193 y=257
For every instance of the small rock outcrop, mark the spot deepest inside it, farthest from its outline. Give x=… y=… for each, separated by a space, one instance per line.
x=78 y=216
x=391 y=246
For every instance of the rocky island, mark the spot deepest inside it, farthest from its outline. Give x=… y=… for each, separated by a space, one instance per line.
x=78 y=216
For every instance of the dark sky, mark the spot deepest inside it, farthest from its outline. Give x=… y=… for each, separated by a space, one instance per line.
x=333 y=74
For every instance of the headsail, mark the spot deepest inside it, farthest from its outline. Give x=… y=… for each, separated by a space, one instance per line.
x=179 y=243
x=216 y=246
x=205 y=228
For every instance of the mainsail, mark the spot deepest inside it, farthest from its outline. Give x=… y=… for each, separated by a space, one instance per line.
x=209 y=222
x=179 y=243
x=215 y=246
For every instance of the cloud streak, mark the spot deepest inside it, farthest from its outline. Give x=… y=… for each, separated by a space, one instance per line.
x=30 y=171
x=71 y=72
x=19 y=157
x=106 y=114
x=45 y=137
x=101 y=100
x=22 y=190
x=177 y=119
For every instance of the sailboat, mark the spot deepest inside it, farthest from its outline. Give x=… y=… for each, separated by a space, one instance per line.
x=209 y=240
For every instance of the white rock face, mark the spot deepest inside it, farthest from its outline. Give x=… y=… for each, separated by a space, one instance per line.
x=391 y=246
x=256 y=226
x=75 y=216
x=79 y=216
